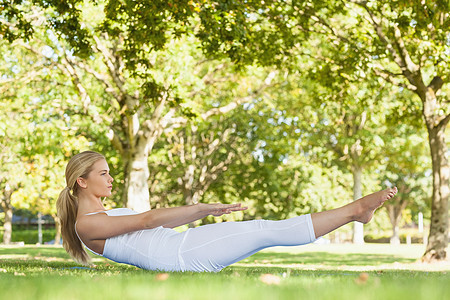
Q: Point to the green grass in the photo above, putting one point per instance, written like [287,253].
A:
[308,272]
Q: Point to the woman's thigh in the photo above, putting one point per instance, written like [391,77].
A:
[215,246]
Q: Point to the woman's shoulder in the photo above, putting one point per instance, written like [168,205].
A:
[101,227]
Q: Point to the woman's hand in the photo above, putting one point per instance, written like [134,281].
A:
[218,209]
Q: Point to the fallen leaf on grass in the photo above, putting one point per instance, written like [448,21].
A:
[362,278]
[49,259]
[19,274]
[162,276]
[270,279]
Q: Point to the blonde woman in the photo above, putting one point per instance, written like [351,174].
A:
[147,240]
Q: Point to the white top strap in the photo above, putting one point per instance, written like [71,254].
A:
[97,212]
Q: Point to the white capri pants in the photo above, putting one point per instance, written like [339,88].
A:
[209,247]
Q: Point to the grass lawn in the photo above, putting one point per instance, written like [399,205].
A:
[371,271]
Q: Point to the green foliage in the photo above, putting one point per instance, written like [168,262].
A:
[41,132]
[293,139]
[410,171]
[30,236]
[13,13]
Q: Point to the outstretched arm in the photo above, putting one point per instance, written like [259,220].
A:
[178,216]
[101,226]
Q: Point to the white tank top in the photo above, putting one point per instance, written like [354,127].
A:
[111,212]
[147,249]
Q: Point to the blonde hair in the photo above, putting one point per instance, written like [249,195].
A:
[79,165]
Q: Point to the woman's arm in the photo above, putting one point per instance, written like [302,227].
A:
[202,210]
[101,226]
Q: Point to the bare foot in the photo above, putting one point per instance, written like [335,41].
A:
[366,206]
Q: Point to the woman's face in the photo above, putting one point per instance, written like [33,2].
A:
[99,182]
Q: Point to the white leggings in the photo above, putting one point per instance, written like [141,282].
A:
[207,248]
[213,247]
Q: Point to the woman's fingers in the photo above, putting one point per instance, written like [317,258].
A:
[240,208]
[234,208]
[227,208]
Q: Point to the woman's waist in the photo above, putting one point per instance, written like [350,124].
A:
[155,241]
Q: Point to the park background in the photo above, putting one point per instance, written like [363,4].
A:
[289,107]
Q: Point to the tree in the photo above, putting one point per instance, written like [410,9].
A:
[38,133]
[410,40]
[12,125]
[194,158]
[12,166]
[407,164]
[51,144]
[140,99]
[402,42]
[343,121]
[277,178]
[198,154]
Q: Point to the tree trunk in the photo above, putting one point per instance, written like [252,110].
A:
[8,224]
[188,185]
[141,140]
[191,199]
[8,210]
[136,183]
[358,229]
[438,236]
[57,229]
[395,212]
[189,194]
[395,238]
[394,218]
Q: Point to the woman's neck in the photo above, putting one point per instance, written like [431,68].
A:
[88,204]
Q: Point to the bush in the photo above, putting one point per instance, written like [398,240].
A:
[30,236]
[416,238]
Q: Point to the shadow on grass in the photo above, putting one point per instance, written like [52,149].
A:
[33,251]
[327,259]
[41,266]
[57,258]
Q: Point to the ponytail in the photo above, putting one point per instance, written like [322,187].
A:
[67,208]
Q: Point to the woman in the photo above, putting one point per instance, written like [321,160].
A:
[148,241]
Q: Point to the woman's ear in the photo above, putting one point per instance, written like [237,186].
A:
[81,182]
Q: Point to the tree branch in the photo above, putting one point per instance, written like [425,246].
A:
[225,109]
[444,121]
[110,60]
[379,31]
[102,79]
[116,141]
[436,83]
[404,54]
[389,77]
